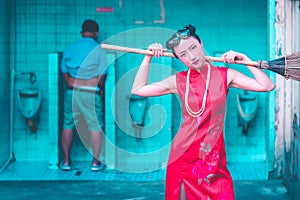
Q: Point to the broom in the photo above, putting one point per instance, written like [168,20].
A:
[287,66]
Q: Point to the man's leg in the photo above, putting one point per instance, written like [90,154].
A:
[96,141]
[91,108]
[67,133]
[66,140]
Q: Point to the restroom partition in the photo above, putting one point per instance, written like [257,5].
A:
[54,107]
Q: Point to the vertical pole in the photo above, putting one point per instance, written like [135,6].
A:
[280,90]
[12,73]
[289,93]
[53,105]
[109,143]
[272,95]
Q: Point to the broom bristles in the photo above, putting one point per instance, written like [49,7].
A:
[288,66]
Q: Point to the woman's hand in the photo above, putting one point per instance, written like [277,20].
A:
[157,49]
[260,81]
[232,56]
[140,84]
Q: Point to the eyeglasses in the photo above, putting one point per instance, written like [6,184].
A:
[181,34]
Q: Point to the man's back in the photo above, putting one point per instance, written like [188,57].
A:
[84,59]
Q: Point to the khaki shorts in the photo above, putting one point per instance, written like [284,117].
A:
[83,105]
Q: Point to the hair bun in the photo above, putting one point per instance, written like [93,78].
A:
[191,28]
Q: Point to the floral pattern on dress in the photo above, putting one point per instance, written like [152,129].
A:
[205,147]
[218,127]
[206,167]
[207,144]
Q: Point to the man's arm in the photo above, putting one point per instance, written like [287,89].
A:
[67,78]
[101,84]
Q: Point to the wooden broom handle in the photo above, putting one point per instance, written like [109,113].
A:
[168,54]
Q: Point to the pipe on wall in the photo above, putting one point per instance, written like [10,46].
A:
[12,72]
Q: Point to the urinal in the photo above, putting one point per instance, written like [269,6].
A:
[137,111]
[247,108]
[137,108]
[29,101]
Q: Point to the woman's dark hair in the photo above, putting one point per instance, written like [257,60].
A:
[192,30]
[188,31]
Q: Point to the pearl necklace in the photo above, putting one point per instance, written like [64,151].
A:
[187,88]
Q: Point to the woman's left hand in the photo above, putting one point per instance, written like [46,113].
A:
[232,56]
[157,49]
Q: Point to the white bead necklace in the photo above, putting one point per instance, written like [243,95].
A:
[187,88]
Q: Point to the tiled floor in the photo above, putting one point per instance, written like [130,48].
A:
[34,180]
[248,171]
[81,171]
[125,190]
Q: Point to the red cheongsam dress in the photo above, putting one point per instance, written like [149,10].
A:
[197,157]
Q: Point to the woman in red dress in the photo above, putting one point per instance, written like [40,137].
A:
[197,163]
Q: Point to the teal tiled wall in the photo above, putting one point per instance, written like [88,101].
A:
[47,26]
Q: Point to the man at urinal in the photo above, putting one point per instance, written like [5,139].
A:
[84,68]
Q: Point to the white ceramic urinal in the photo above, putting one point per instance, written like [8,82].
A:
[247,108]
[137,111]
[29,101]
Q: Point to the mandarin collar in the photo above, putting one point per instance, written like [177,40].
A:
[202,72]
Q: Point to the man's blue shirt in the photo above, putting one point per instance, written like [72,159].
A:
[84,59]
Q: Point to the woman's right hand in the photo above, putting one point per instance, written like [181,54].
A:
[157,49]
